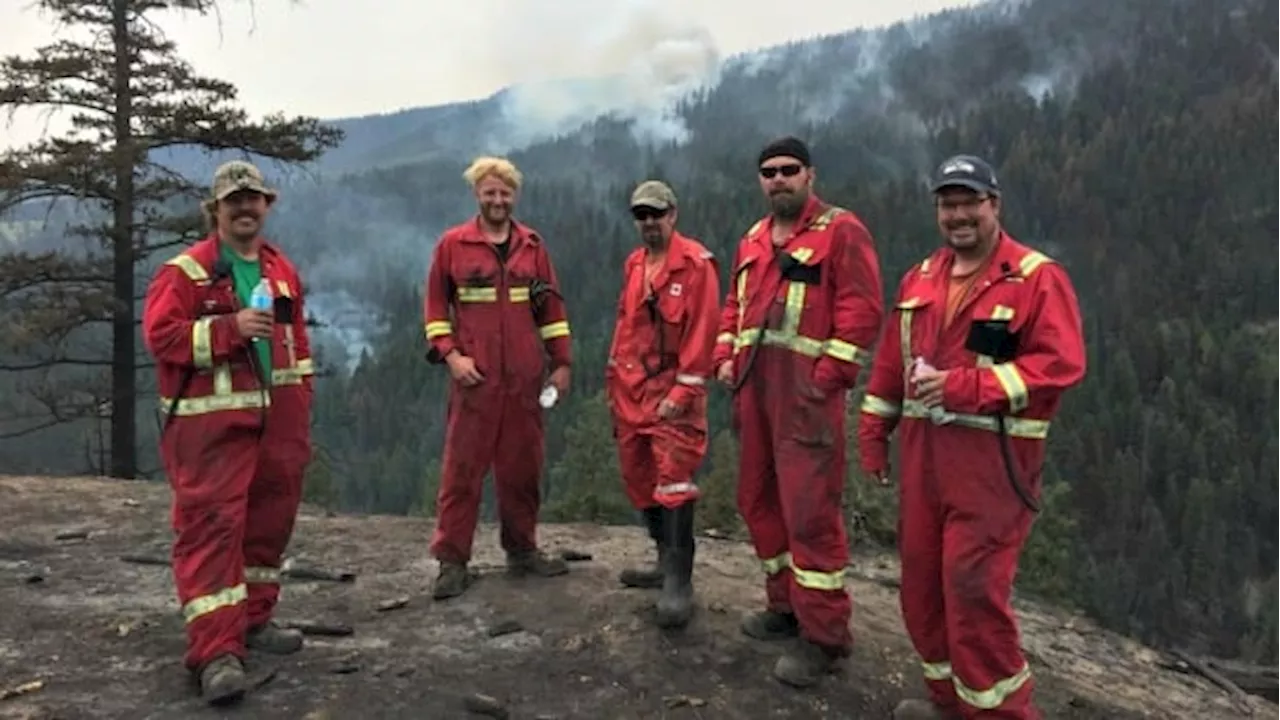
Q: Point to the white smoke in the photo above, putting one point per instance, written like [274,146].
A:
[630,60]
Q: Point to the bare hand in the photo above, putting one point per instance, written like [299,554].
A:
[252,323]
[929,386]
[667,409]
[560,379]
[463,369]
[725,373]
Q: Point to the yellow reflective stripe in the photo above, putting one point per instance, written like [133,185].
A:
[202,342]
[816,579]
[936,671]
[1031,263]
[776,564]
[873,405]
[189,267]
[262,575]
[289,345]
[725,338]
[1002,312]
[802,255]
[554,330]
[438,328]
[222,399]
[994,696]
[293,375]
[282,289]
[305,366]
[904,331]
[846,351]
[477,294]
[1024,428]
[205,604]
[518,294]
[1011,381]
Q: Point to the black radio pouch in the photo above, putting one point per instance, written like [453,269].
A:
[993,339]
[283,308]
[796,271]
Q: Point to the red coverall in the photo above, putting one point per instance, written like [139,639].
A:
[495,313]
[818,299]
[962,525]
[648,364]
[236,482]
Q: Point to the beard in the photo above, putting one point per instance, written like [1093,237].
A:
[652,237]
[965,235]
[787,204]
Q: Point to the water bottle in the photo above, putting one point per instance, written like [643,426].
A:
[261,299]
[548,397]
[937,415]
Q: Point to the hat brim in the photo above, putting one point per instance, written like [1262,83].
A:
[255,187]
[973,185]
[651,204]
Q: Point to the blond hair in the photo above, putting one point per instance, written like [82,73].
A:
[501,168]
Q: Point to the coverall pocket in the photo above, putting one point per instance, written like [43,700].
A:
[810,423]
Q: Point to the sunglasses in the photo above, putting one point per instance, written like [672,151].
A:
[768,173]
[647,213]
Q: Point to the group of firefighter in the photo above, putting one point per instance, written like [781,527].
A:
[969,364]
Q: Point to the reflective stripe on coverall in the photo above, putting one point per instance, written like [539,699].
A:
[962,525]
[236,484]
[648,363]
[820,296]
[492,311]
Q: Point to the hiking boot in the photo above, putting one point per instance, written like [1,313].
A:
[770,625]
[648,578]
[921,710]
[222,680]
[804,665]
[535,562]
[271,638]
[452,580]
[675,606]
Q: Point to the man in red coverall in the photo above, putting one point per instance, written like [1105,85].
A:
[656,378]
[800,318]
[494,314]
[987,335]
[235,385]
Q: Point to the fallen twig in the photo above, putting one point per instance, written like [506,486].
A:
[23,689]
[1215,677]
[311,627]
[145,559]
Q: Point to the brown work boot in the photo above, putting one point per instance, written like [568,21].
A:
[535,562]
[770,625]
[648,578]
[222,680]
[921,710]
[804,665]
[452,580]
[271,638]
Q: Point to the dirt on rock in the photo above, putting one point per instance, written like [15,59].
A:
[91,635]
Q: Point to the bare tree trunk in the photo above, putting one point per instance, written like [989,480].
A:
[123,373]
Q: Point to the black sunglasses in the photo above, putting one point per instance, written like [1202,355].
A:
[647,213]
[792,170]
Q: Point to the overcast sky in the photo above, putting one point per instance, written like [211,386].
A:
[338,58]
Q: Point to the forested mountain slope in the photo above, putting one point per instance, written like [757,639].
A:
[1137,141]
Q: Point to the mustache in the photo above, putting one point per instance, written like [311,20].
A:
[249,215]
[780,191]
[959,224]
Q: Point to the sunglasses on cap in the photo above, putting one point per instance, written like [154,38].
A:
[642,213]
[792,170]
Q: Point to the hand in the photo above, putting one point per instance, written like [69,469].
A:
[560,379]
[463,369]
[929,385]
[725,373]
[668,409]
[252,323]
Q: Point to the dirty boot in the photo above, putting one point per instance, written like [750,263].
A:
[804,665]
[452,580]
[770,625]
[921,710]
[535,562]
[222,680]
[649,578]
[676,603]
[271,638]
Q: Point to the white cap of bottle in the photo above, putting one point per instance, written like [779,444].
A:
[548,397]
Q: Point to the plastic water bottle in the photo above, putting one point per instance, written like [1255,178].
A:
[261,299]
[937,415]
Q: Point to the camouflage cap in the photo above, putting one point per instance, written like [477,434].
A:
[655,194]
[239,175]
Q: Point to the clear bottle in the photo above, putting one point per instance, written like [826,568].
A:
[262,298]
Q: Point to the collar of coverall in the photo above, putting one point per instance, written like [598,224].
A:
[520,233]
[677,251]
[1004,253]
[209,249]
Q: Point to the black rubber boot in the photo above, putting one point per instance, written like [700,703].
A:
[675,606]
[650,578]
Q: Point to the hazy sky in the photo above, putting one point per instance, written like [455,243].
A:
[336,58]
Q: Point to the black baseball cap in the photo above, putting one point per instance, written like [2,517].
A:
[967,171]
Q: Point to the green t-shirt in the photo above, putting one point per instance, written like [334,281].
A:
[246,274]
